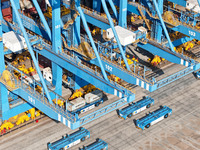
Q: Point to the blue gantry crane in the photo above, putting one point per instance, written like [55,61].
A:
[63,32]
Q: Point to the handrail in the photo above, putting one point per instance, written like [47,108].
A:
[39,96]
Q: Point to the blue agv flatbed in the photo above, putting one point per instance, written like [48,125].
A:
[70,140]
[153,117]
[136,107]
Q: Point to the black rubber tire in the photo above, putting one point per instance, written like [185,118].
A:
[165,116]
[83,139]
[147,126]
[97,104]
[148,106]
[130,115]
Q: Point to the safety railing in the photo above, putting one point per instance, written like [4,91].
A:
[103,111]
[30,88]
[174,77]
[94,73]
[185,57]
[101,49]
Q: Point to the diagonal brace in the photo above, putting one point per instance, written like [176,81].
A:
[30,50]
[42,18]
[164,27]
[115,33]
[198,2]
[92,41]
[112,5]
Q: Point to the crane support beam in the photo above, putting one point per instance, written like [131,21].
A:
[182,2]
[182,41]
[187,31]
[56,45]
[30,49]
[127,76]
[16,110]
[167,54]
[79,71]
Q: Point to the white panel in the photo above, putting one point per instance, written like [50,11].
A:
[115,92]
[147,87]
[88,108]
[125,98]
[142,84]
[157,120]
[64,121]
[72,144]
[182,61]
[139,110]
[59,117]
[191,67]
[69,124]
[137,81]
[186,63]
[120,94]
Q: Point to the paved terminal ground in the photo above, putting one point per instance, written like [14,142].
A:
[181,131]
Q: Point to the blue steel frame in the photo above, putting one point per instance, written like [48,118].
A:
[61,60]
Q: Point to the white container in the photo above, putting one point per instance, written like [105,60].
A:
[93,96]
[126,37]
[76,103]
[142,29]
[14,41]
[193,5]
[25,4]
[47,74]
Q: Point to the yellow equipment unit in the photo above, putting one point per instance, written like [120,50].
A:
[32,112]
[86,49]
[8,78]
[21,118]
[156,60]
[59,102]
[7,125]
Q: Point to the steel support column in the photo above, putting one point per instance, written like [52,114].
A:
[56,45]
[4,105]
[123,13]
[158,24]
[97,5]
